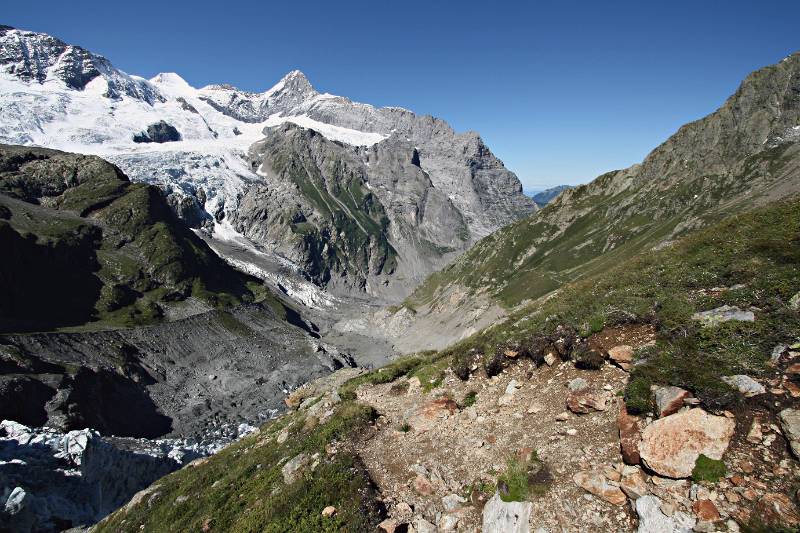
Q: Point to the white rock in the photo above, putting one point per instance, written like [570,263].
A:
[745,384]
[652,520]
[506,517]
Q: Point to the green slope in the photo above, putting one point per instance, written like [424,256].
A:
[85,246]
[741,156]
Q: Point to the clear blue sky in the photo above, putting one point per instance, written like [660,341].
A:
[560,90]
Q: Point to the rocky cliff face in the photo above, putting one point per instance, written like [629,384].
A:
[209,173]
[743,155]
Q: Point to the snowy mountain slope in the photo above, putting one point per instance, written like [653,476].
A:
[62,96]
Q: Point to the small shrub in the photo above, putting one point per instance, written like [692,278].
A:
[587,359]
[707,469]
[638,396]
[494,363]
[461,364]
[469,400]
[405,427]
[523,480]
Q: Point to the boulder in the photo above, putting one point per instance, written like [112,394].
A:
[670,446]
[293,469]
[723,314]
[550,359]
[653,520]
[630,433]
[506,517]
[669,399]
[745,384]
[595,482]
[329,511]
[584,400]
[622,355]
[790,425]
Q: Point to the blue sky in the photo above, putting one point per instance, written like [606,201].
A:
[561,91]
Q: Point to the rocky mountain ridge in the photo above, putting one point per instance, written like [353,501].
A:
[63,96]
[743,155]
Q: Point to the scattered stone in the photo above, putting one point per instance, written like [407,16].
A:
[451,502]
[506,517]
[562,417]
[669,399]
[428,415]
[794,302]
[755,435]
[422,486]
[293,469]
[511,354]
[329,511]
[790,425]
[745,384]
[597,484]
[723,314]
[449,521]
[611,473]
[583,401]
[670,446]
[389,525]
[423,526]
[705,510]
[283,436]
[653,520]
[634,484]
[629,436]
[622,355]
[777,351]
[534,409]
[577,384]
[550,359]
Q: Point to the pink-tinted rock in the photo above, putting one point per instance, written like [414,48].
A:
[629,436]
[584,401]
[670,446]
[705,510]
[622,355]
[596,483]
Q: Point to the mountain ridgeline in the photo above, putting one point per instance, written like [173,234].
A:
[366,201]
[745,154]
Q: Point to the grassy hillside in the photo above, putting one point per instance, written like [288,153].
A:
[242,487]
[751,260]
[90,247]
[741,156]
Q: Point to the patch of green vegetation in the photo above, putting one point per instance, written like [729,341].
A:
[523,480]
[234,325]
[638,396]
[469,399]
[242,488]
[707,469]
[759,249]
[404,366]
[405,427]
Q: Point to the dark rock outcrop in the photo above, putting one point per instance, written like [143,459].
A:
[160,132]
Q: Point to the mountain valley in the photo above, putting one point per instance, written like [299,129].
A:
[288,311]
